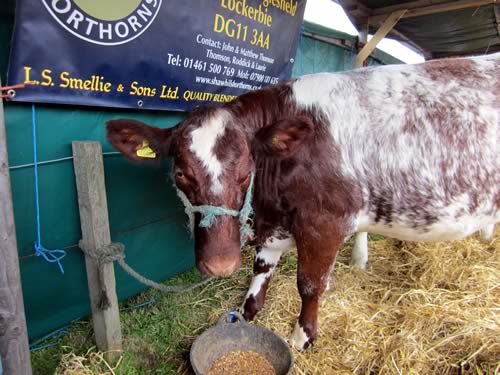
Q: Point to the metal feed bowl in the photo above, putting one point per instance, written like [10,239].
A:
[227,336]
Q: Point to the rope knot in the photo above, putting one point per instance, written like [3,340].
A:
[103,255]
[208,220]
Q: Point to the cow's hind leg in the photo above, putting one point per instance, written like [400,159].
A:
[487,232]
[266,259]
[316,258]
[359,256]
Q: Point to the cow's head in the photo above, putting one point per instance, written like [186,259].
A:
[213,165]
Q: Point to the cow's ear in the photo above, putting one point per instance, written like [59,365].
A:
[138,141]
[283,138]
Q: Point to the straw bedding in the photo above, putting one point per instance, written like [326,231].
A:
[420,308]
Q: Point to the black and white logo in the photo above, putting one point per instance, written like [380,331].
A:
[104,22]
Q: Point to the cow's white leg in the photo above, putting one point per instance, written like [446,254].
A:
[487,232]
[266,259]
[359,256]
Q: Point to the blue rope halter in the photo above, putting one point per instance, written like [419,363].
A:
[209,213]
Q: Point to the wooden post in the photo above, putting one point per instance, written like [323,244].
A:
[363,38]
[384,29]
[363,34]
[14,347]
[89,173]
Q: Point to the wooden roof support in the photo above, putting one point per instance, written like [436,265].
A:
[422,8]
[384,29]
[361,21]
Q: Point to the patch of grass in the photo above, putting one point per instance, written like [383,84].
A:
[78,338]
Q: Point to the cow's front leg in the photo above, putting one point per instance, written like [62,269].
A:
[316,258]
[266,259]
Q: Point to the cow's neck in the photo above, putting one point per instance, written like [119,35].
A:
[250,113]
[257,109]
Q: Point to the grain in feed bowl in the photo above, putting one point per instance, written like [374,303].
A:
[239,336]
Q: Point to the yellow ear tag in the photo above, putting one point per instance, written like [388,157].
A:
[275,139]
[145,151]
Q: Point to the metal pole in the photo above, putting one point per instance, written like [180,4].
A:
[14,347]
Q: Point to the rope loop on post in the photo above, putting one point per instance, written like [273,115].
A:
[115,251]
[105,254]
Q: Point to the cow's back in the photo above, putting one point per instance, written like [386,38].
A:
[420,142]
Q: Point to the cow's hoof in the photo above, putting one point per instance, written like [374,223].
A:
[299,339]
[488,232]
[249,309]
[247,315]
[244,313]
[360,264]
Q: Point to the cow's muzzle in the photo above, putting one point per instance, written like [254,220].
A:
[218,250]
[220,265]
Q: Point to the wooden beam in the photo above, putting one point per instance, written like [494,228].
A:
[346,44]
[493,49]
[89,173]
[414,10]
[345,4]
[384,29]
[496,10]
[410,43]
[14,347]
[359,10]
[400,6]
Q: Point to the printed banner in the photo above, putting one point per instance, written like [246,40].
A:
[152,54]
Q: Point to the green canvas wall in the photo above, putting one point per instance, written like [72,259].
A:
[144,211]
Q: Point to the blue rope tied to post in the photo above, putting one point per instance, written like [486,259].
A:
[51,256]
[210,213]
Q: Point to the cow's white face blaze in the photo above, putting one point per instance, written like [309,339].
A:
[203,142]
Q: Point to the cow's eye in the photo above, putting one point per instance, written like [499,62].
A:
[181,179]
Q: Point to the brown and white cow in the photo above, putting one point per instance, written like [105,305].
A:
[410,152]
